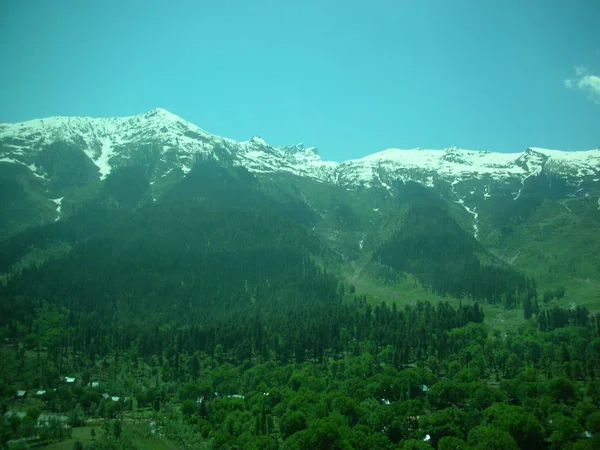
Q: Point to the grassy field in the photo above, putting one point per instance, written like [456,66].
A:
[84,435]
[408,292]
[559,245]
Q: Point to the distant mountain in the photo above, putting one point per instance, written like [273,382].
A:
[174,143]
[395,211]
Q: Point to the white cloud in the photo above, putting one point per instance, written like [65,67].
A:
[586,82]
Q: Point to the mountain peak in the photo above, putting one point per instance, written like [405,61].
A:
[258,140]
[162,113]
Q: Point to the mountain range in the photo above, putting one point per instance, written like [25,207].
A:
[393,213]
[113,142]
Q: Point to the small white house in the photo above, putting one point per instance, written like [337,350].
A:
[69,380]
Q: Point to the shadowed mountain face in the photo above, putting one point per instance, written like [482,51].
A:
[97,197]
[214,244]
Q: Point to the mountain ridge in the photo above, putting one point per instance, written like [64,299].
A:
[104,139]
[44,160]
[63,178]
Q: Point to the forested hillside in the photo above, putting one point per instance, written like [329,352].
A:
[432,246]
[218,310]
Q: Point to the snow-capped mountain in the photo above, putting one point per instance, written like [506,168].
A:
[111,142]
[174,142]
[457,164]
[512,204]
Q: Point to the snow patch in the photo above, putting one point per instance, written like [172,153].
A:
[387,186]
[486,194]
[535,173]
[473,212]
[34,171]
[103,160]
[31,167]
[58,202]
[475,223]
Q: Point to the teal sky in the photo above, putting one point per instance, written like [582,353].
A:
[350,77]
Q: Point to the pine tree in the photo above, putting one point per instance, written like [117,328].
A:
[527,307]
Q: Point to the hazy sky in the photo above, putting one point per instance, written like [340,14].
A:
[350,77]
